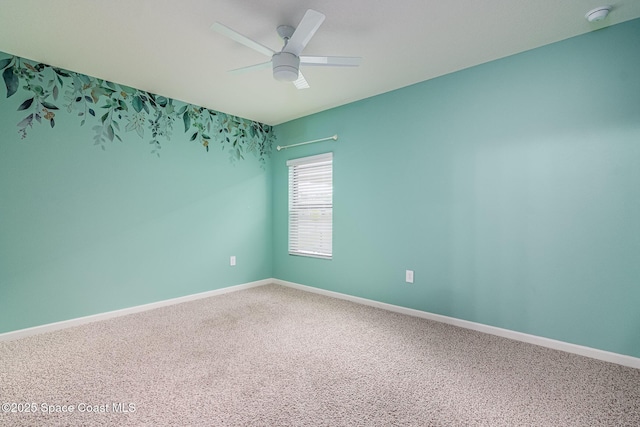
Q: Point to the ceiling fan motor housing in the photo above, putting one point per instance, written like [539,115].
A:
[285,66]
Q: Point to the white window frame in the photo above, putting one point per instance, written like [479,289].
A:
[311,206]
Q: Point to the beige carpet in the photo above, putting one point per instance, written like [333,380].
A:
[274,356]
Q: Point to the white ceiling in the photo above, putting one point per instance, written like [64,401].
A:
[168,48]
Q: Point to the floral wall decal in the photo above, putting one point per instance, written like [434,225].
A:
[112,109]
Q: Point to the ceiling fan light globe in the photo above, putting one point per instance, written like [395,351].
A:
[285,66]
[285,74]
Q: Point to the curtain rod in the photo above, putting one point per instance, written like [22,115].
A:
[334,137]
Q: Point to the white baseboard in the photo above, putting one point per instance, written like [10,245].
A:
[620,359]
[49,327]
[594,353]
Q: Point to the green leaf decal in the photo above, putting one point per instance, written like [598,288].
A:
[11,81]
[162,101]
[136,103]
[26,104]
[49,106]
[26,121]
[61,73]
[128,90]
[187,121]
[109,104]
[110,133]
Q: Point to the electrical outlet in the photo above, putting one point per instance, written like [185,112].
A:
[408,277]
[232,260]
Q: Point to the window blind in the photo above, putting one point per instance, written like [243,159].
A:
[311,206]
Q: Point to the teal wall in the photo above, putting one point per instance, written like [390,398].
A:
[85,231]
[511,188]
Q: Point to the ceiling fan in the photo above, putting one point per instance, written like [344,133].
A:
[286,63]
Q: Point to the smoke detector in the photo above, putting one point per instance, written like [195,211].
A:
[598,14]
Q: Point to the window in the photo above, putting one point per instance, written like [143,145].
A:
[311,206]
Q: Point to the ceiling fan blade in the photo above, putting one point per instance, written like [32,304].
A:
[310,23]
[235,36]
[251,68]
[301,82]
[331,61]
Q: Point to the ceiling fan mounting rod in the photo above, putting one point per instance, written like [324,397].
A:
[285,32]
